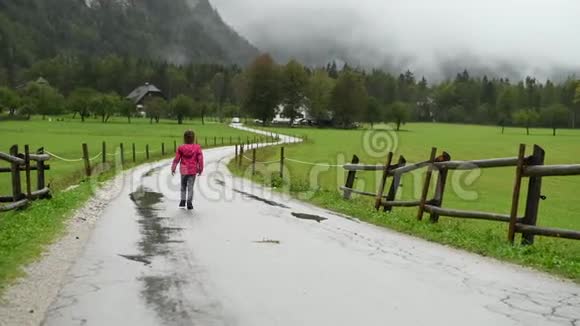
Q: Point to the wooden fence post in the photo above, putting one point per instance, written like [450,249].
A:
[222,140]
[439,192]
[214,141]
[394,185]
[16,185]
[282,162]
[426,184]
[104,151]
[40,170]
[381,189]
[254,161]
[134,153]
[27,170]
[241,155]
[86,159]
[174,146]
[534,194]
[122,153]
[205,141]
[236,157]
[147,151]
[516,194]
[162,149]
[350,179]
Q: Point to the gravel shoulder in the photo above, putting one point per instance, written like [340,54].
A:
[26,301]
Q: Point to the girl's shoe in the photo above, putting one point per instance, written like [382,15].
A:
[189,205]
[182,204]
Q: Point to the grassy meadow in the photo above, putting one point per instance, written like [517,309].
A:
[23,233]
[485,190]
[64,138]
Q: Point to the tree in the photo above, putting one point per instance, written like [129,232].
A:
[349,98]
[373,111]
[219,87]
[526,118]
[294,83]
[104,105]
[399,113]
[263,92]
[555,116]
[182,107]
[577,104]
[127,108]
[43,99]
[204,100]
[79,101]
[155,107]
[319,91]
[9,100]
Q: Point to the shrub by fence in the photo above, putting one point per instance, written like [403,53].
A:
[531,167]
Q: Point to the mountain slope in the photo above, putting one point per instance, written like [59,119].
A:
[179,31]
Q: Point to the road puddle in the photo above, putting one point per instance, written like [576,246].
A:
[260,199]
[156,235]
[310,217]
[267,241]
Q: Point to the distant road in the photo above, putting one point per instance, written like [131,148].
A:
[247,256]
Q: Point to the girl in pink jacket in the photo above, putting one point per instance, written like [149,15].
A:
[191,158]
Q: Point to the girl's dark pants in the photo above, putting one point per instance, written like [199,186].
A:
[187,182]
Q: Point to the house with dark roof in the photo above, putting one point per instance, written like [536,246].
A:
[141,93]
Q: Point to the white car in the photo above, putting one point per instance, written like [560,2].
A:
[236,120]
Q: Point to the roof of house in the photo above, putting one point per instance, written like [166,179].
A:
[140,92]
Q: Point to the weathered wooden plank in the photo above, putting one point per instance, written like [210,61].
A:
[426,183]
[363,167]
[395,184]
[548,232]
[383,182]
[11,159]
[23,168]
[13,206]
[534,194]
[516,194]
[477,164]
[409,168]
[401,203]
[39,157]
[467,214]
[359,192]
[42,193]
[552,170]
[350,178]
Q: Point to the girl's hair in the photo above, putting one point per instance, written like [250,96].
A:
[189,137]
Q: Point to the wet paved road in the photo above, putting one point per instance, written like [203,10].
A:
[246,256]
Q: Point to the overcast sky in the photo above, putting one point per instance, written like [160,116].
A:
[427,36]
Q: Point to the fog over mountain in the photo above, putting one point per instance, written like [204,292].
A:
[510,38]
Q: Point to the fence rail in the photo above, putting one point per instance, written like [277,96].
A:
[21,162]
[531,167]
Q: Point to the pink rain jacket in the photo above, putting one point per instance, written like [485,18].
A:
[191,158]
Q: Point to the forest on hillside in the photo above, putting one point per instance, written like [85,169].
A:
[177,31]
[337,96]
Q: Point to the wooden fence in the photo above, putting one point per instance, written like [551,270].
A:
[24,162]
[531,167]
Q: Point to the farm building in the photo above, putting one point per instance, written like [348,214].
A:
[140,94]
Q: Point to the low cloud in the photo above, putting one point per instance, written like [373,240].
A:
[433,38]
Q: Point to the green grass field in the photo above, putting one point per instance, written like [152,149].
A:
[65,138]
[489,190]
[24,233]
